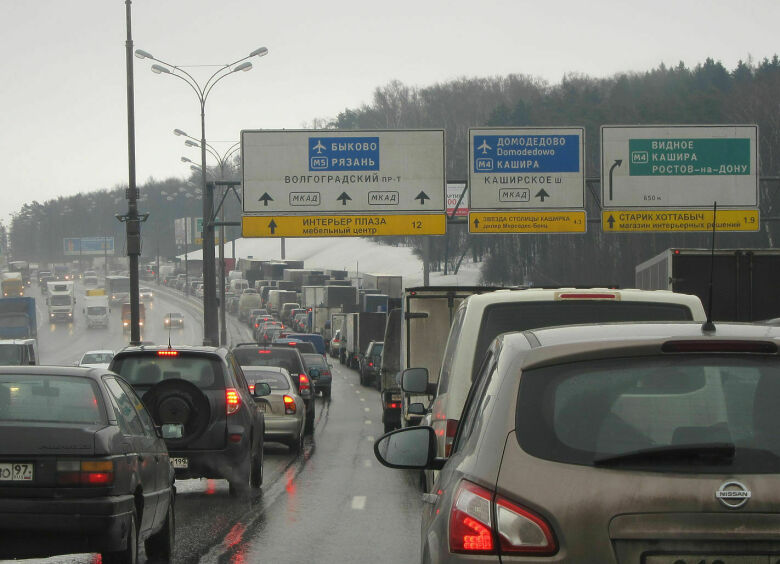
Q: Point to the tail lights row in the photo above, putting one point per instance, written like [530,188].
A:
[232,401]
[85,472]
[482,522]
[304,383]
[289,405]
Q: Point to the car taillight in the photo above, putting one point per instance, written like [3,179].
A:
[478,519]
[587,296]
[232,401]
[85,472]
[452,428]
[251,388]
[371,364]
[289,405]
[393,406]
[167,352]
[471,521]
[304,382]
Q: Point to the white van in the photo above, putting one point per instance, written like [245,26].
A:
[482,317]
[239,285]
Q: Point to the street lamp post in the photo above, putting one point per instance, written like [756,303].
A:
[210,330]
[223,160]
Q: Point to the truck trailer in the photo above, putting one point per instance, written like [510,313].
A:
[745,281]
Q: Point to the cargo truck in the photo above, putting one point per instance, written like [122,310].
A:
[746,282]
[359,330]
[96,310]
[60,301]
[390,284]
[17,318]
[22,267]
[389,381]
[12,284]
[277,298]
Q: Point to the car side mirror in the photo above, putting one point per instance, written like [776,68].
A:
[410,448]
[314,373]
[415,380]
[262,389]
[416,409]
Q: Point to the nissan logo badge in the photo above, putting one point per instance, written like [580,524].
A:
[733,494]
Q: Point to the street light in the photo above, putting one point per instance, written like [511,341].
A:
[202,91]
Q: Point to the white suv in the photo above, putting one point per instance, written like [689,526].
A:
[482,317]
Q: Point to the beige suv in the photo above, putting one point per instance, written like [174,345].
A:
[640,443]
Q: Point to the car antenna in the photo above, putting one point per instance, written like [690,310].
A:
[169,337]
[709,326]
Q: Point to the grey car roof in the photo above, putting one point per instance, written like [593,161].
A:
[84,372]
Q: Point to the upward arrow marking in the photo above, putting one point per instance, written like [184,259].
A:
[343,198]
[541,194]
[422,196]
[611,221]
[272,225]
[265,198]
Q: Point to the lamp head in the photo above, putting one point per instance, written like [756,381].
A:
[179,132]
[259,52]
[245,66]
[141,54]
[159,69]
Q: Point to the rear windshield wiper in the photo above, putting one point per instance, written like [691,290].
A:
[711,453]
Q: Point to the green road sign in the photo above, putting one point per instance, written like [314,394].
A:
[689,156]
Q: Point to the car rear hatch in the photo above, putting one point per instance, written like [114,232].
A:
[273,405]
[656,460]
[184,391]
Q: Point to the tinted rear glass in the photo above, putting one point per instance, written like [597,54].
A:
[314,360]
[585,411]
[147,369]
[97,358]
[276,380]
[59,399]
[521,316]
[376,350]
[11,355]
[287,358]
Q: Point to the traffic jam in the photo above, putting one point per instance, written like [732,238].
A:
[369,339]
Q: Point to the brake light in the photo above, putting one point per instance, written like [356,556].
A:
[85,473]
[167,352]
[517,529]
[232,401]
[292,343]
[304,382]
[289,405]
[371,364]
[263,352]
[251,388]
[452,428]
[587,296]
[394,406]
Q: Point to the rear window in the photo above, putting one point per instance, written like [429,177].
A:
[148,368]
[276,380]
[376,350]
[57,399]
[591,412]
[11,355]
[97,358]
[521,316]
[288,359]
[314,361]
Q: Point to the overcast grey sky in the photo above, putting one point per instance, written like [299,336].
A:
[64,121]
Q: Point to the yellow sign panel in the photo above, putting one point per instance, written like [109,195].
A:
[639,221]
[527,222]
[343,225]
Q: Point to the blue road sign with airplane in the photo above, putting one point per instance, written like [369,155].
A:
[343,153]
[526,153]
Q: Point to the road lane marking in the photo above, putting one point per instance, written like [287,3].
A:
[359,502]
[366,409]
[370,438]
[367,463]
[362,399]
[367,422]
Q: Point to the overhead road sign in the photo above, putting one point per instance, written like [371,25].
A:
[645,220]
[676,166]
[308,172]
[526,168]
[74,246]
[454,193]
[343,225]
[531,221]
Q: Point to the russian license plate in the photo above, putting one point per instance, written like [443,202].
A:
[710,559]
[16,471]
[396,397]
[180,462]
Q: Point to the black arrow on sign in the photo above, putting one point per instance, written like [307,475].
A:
[541,194]
[422,196]
[265,198]
[344,197]
[618,162]
[611,221]
[272,225]
[476,223]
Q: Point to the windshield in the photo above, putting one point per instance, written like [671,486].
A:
[11,355]
[60,300]
[149,368]
[276,380]
[596,411]
[57,399]
[96,310]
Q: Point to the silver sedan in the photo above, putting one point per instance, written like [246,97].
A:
[285,413]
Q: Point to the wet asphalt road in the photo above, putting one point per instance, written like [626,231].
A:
[334,503]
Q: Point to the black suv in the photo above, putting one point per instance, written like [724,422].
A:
[289,357]
[202,402]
